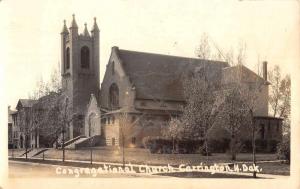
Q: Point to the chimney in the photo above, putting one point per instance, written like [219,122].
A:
[265,70]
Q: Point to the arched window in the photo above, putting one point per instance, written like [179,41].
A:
[67,58]
[92,123]
[114,96]
[85,57]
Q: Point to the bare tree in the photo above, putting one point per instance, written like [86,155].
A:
[250,92]
[174,130]
[55,82]
[64,118]
[232,116]
[203,51]
[125,127]
[275,93]
[199,112]
[128,128]
[280,96]
[45,88]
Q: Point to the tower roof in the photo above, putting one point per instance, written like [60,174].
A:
[65,29]
[74,24]
[95,26]
[86,32]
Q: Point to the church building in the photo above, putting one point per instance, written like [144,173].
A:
[139,93]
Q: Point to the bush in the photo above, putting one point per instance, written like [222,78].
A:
[283,149]
[219,146]
[262,146]
[165,145]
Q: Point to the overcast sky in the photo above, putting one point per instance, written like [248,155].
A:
[30,32]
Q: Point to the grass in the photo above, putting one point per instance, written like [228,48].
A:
[142,156]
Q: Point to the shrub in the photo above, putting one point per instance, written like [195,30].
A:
[283,148]
[165,145]
[272,146]
[219,146]
[262,146]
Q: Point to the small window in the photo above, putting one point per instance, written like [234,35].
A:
[113,120]
[163,105]
[113,141]
[133,140]
[103,120]
[133,118]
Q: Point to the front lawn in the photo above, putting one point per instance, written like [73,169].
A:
[142,156]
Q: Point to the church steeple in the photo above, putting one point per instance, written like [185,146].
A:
[65,29]
[86,32]
[95,26]
[74,24]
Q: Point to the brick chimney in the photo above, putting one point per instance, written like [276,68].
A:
[265,70]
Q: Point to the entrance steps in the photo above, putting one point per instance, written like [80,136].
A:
[71,141]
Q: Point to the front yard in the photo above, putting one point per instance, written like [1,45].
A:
[142,156]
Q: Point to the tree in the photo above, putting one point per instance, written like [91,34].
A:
[52,115]
[174,130]
[63,116]
[199,112]
[232,110]
[250,95]
[203,51]
[126,126]
[232,116]
[45,88]
[280,96]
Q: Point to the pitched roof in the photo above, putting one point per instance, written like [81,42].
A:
[157,76]
[27,103]
[231,74]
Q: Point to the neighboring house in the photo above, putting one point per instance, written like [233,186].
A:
[30,124]
[23,119]
[12,129]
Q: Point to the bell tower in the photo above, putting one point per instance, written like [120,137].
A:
[79,70]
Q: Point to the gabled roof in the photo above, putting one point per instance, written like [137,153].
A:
[26,103]
[232,74]
[157,76]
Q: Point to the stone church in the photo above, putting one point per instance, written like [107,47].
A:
[143,90]
[139,93]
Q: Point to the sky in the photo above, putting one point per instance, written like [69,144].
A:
[30,32]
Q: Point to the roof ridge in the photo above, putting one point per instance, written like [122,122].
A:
[174,56]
